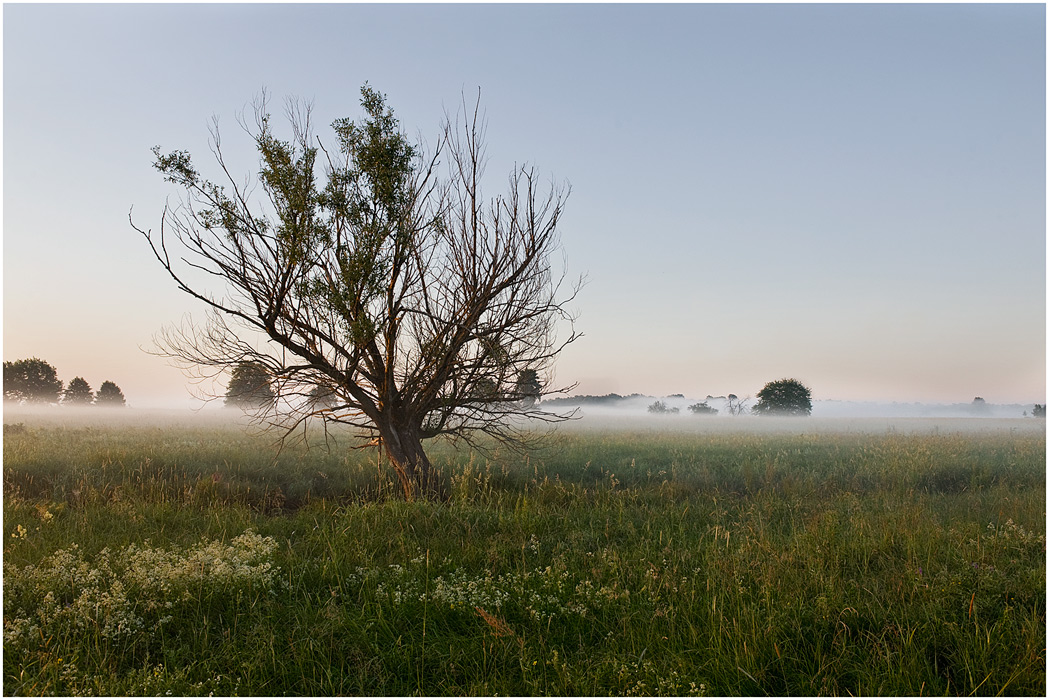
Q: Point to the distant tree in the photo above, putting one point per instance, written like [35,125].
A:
[32,381]
[784,397]
[486,390]
[249,388]
[323,398]
[529,388]
[660,408]
[588,400]
[980,406]
[78,393]
[1039,410]
[736,406]
[109,396]
[703,409]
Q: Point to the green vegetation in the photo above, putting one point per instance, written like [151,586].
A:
[784,397]
[110,395]
[250,386]
[78,393]
[33,380]
[189,560]
[422,307]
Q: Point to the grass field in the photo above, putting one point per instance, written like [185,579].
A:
[677,558]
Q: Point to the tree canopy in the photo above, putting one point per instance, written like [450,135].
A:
[249,387]
[78,393]
[702,408]
[784,397]
[32,381]
[109,395]
[529,387]
[393,280]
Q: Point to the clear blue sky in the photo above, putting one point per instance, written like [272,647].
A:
[853,195]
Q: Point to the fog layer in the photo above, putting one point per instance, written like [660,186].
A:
[632,417]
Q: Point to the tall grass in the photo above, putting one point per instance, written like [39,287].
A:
[192,561]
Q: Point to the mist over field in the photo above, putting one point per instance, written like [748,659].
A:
[855,211]
[628,416]
[636,405]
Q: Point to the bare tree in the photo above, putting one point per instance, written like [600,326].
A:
[736,406]
[395,286]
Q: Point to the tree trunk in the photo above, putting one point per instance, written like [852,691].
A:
[405,451]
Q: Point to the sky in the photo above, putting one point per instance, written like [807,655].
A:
[850,195]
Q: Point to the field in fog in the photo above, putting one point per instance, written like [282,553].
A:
[150,554]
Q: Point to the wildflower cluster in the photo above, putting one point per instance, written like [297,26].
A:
[160,680]
[542,593]
[127,594]
[1007,549]
[643,679]
[1011,536]
[994,572]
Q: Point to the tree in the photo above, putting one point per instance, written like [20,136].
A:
[702,409]
[784,397]
[1039,410]
[32,381]
[249,387]
[529,388]
[403,288]
[322,398]
[109,396]
[661,408]
[78,393]
[736,406]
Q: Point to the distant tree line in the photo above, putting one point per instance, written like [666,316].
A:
[588,400]
[35,381]
[251,389]
[783,397]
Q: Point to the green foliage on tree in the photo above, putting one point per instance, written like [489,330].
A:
[382,271]
[78,393]
[322,398]
[249,388]
[110,396]
[486,390]
[529,388]
[31,381]
[702,409]
[784,397]
[661,408]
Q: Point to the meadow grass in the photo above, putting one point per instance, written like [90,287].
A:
[192,560]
